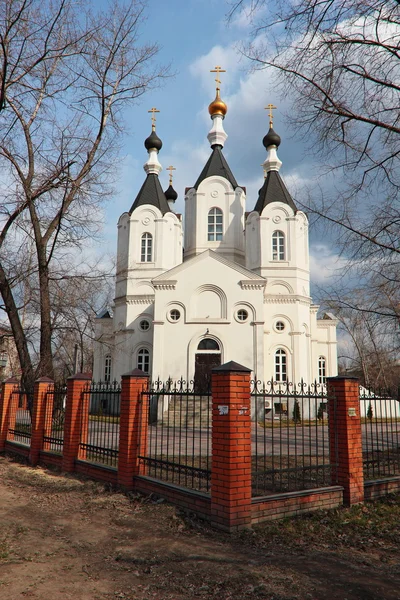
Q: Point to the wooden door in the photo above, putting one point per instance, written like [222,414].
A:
[204,363]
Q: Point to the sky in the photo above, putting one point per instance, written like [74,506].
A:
[194,36]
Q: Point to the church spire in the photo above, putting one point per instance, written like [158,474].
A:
[271,142]
[151,190]
[153,145]
[170,194]
[273,189]
[217,110]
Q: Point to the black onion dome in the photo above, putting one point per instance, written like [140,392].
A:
[153,141]
[170,194]
[271,139]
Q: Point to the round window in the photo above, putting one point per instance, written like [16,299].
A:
[144,325]
[242,315]
[279,325]
[174,314]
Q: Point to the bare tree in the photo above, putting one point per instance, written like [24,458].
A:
[76,302]
[340,64]
[338,61]
[369,344]
[67,72]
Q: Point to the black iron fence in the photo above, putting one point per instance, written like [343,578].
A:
[290,437]
[179,434]
[380,425]
[53,438]
[21,432]
[100,423]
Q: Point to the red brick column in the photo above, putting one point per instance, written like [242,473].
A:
[77,401]
[345,437]
[43,386]
[133,427]
[8,409]
[231,447]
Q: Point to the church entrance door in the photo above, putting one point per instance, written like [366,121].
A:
[207,357]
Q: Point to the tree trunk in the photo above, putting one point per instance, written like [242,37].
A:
[45,367]
[27,373]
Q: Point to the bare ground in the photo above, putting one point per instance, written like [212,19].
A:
[64,537]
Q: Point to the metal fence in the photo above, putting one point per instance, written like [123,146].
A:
[380,425]
[21,432]
[53,438]
[290,437]
[179,434]
[100,424]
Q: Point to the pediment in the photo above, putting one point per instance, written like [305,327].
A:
[246,277]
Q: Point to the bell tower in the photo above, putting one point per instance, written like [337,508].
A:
[215,205]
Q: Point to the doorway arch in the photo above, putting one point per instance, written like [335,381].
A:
[208,356]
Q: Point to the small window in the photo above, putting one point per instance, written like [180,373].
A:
[143,360]
[147,248]
[175,315]
[322,369]
[144,325]
[242,315]
[279,325]
[280,365]
[280,409]
[215,224]
[107,368]
[278,245]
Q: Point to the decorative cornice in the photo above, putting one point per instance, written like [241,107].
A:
[165,284]
[248,284]
[283,299]
[140,299]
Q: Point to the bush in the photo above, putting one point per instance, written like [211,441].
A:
[296,413]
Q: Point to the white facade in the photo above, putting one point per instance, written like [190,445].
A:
[241,291]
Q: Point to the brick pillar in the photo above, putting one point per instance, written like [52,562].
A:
[8,409]
[43,386]
[231,447]
[75,407]
[133,427]
[345,437]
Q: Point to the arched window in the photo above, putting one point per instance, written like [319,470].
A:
[208,344]
[278,245]
[143,360]
[322,369]
[215,222]
[280,365]
[107,368]
[147,248]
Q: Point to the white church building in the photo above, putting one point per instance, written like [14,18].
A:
[219,284]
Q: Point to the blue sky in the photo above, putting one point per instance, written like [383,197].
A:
[194,37]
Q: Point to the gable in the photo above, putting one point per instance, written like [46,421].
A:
[211,262]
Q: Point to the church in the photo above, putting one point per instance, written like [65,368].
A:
[218,284]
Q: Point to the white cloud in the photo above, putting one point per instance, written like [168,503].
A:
[325,264]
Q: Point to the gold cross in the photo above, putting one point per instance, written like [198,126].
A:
[153,117]
[270,107]
[217,70]
[170,169]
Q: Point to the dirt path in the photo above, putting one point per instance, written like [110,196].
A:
[68,538]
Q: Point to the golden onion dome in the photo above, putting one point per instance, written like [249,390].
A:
[218,106]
